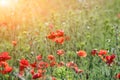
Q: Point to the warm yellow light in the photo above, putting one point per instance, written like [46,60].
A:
[4,3]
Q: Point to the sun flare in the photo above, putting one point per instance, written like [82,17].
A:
[7,3]
[4,3]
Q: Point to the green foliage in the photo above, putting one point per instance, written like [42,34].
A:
[62,73]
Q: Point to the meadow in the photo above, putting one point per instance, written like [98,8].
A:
[60,40]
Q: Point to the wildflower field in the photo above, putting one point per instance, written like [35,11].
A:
[59,39]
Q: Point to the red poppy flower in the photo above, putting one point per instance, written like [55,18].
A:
[94,52]
[4,56]
[53,78]
[77,70]
[6,68]
[41,71]
[110,59]
[42,65]
[71,64]
[118,76]
[37,75]
[14,43]
[52,35]
[61,64]
[51,57]
[59,40]
[34,65]
[39,57]
[32,71]
[102,52]
[52,63]
[60,52]
[81,53]
[59,33]
[23,64]
[3,64]
[58,36]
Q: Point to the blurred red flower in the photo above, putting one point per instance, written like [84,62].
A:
[5,67]
[58,36]
[71,64]
[59,40]
[94,52]
[118,76]
[6,70]
[52,63]
[32,71]
[41,71]
[4,56]
[34,65]
[52,35]
[37,75]
[77,70]
[60,52]
[59,33]
[110,59]
[14,43]
[60,64]
[51,57]
[102,52]
[81,53]
[53,78]
[3,64]
[23,64]
[39,57]
[43,65]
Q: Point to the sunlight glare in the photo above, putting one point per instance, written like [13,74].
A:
[8,3]
[4,3]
